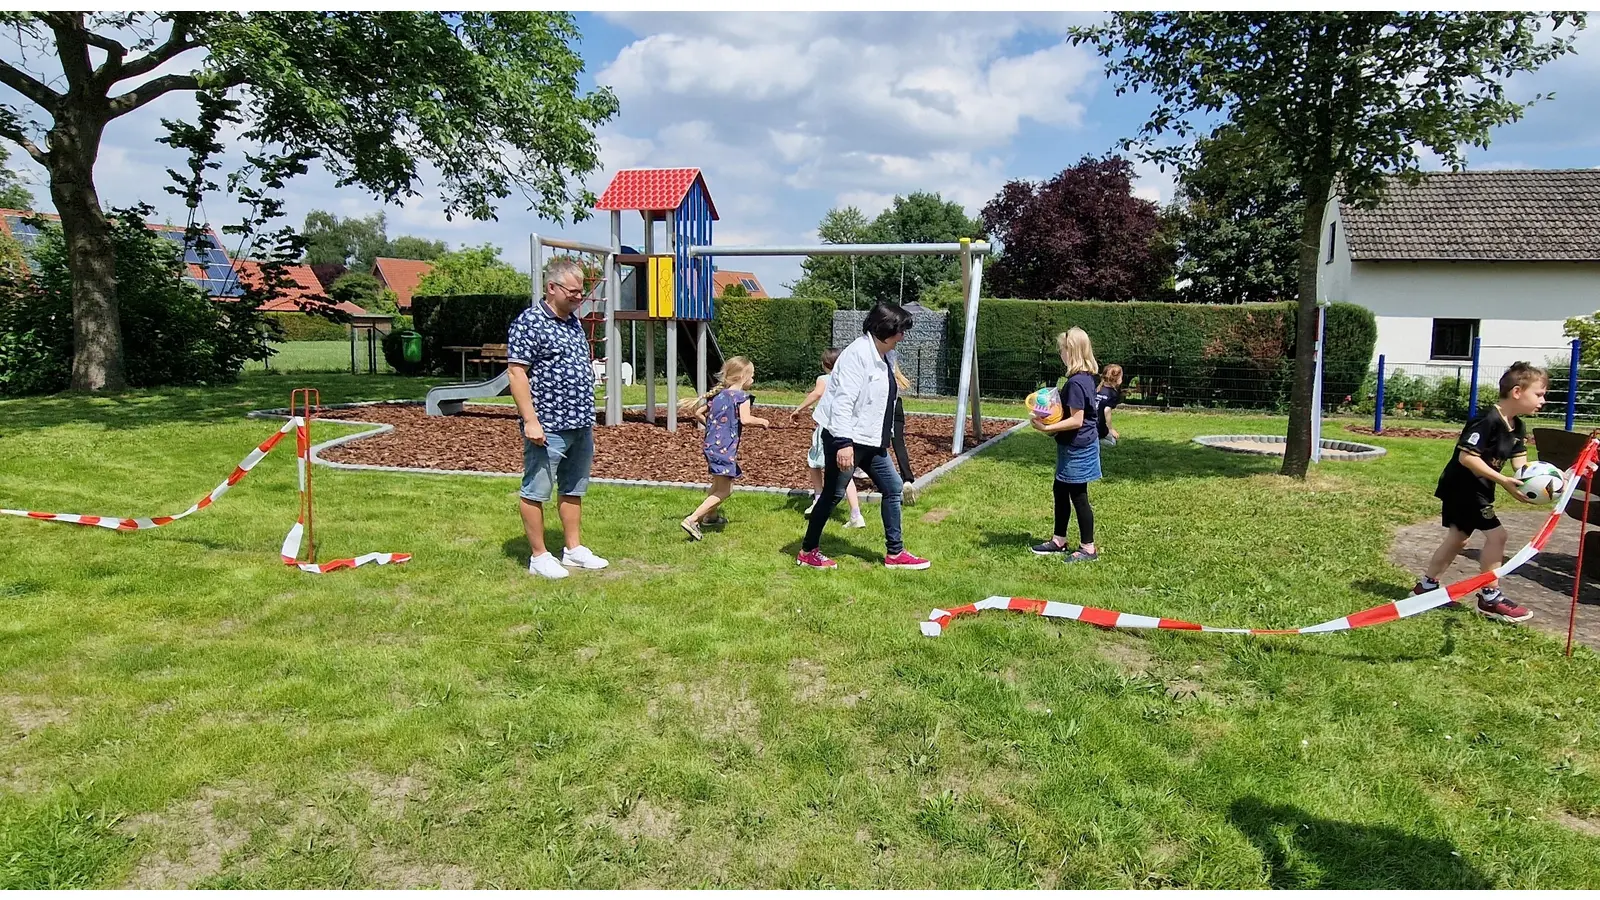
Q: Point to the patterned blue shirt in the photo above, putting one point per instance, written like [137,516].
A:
[556,353]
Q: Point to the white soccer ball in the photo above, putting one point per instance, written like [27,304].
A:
[1541,482]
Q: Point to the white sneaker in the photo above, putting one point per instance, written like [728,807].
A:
[581,557]
[814,499]
[546,565]
[856,522]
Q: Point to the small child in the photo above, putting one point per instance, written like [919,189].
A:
[724,409]
[902,459]
[815,461]
[1466,486]
[1077,448]
[1108,397]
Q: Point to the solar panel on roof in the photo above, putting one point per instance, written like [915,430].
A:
[749,284]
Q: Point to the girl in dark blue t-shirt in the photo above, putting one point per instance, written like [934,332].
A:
[1077,448]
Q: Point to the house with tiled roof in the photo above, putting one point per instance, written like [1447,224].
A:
[1506,256]
[305,290]
[722,279]
[205,263]
[401,276]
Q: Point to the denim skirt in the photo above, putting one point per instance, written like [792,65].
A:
[1078,465]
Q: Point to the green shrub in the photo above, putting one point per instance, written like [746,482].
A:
[782,337]
[294,326]
[172,332]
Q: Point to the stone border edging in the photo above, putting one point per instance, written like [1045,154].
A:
[1358,452]
[378,428]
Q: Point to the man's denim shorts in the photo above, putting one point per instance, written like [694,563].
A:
[563,462]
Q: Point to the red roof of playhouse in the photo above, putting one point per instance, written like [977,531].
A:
[652,190]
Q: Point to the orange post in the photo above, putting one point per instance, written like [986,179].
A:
[304,402]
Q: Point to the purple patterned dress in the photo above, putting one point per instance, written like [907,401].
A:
[722,432]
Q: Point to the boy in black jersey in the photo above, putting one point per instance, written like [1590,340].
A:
[1466,487]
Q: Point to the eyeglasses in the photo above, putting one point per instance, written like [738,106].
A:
[572,291]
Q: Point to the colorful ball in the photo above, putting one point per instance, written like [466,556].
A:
[1541,482]
[1046,403]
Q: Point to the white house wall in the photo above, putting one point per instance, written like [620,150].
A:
[1521,307]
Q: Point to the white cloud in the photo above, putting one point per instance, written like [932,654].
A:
[1152,184]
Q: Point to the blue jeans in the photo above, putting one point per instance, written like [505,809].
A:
[880,468]
[563,462]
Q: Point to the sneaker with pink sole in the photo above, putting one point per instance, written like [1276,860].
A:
[813,559]
[904,560]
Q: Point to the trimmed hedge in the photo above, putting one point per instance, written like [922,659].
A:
[782,337]
[1180,352]
[462,320]
[306,327]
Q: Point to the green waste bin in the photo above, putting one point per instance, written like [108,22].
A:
[411,347]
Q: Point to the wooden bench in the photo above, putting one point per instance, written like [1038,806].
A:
[490,355]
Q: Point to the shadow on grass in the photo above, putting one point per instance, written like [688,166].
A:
[1303,851]
[1139,459]
[138,408]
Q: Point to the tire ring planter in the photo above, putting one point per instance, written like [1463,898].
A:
[1345,451]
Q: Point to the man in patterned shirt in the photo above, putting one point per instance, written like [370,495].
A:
[547,355]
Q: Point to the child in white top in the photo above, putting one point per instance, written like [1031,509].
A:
[815,461]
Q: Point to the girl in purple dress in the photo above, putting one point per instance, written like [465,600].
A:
[724,409]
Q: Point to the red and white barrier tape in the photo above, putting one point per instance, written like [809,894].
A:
[291,543]
[1377,615]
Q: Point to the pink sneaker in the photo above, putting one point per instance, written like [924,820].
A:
[815,560]
[904,560]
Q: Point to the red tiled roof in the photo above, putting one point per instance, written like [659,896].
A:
[307,290]
[401,276]
[721,278]
[652,190]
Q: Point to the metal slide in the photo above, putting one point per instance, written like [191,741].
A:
[448,399]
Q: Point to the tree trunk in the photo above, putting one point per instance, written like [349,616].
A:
[97,361]
[1297,447]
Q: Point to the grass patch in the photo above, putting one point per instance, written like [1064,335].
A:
[180,709]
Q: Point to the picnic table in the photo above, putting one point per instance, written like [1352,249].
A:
[464,350]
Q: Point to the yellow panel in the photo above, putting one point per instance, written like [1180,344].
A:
[663,288]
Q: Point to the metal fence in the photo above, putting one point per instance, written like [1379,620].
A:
[1399,391]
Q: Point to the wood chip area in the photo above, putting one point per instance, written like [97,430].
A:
[485,438]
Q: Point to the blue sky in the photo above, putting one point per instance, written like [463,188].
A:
[789,114]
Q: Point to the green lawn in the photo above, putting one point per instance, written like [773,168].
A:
[181,709]
[316,356]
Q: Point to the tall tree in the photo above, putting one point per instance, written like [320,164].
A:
[411,247]
[917,218]
[353,242]
[1237,225]
[1082,235]
[488,100]
[830,276]
[1346,99]
[472,270]
[12,194]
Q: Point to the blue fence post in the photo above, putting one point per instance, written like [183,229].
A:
[1377,413]
[1472,398]
[1572,382]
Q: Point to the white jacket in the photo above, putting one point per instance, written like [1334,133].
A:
[858,395]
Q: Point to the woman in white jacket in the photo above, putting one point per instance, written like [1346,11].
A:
[856,431]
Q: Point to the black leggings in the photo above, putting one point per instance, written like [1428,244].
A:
[1067,497]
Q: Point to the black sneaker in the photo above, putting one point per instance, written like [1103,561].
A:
[1048,547]
[1494,604]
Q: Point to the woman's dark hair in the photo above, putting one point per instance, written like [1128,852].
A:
[886,320]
